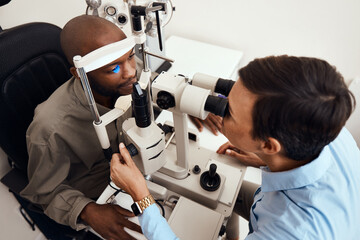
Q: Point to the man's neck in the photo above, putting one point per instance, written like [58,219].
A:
[280,163]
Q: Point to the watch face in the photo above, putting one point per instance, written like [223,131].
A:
[136,209]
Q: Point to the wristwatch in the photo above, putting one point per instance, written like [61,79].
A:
[139,206]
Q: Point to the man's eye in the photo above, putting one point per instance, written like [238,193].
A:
[131,56]
[116,69]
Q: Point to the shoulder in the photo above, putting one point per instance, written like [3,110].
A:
[51,115]
[346,153]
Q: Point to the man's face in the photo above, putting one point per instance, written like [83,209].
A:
[116,78]
[237,124]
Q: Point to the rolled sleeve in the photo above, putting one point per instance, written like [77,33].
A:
[154,226]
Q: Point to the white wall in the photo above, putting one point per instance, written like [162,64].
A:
[328,29]
[53,11]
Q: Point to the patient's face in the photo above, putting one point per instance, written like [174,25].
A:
[116,78]
[237,124]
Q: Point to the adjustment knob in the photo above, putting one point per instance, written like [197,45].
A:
[212,170]
[196,169]
[210,180]
[132,149]
[165,100]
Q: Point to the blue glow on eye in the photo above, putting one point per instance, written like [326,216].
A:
[116,69]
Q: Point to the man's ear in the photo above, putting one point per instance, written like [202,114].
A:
[74,72]
[272,146]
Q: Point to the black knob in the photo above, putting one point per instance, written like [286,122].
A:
[165,100]
[210,180]
[196,169]
[165,128]
[212,170]
[122,19]
[132,149]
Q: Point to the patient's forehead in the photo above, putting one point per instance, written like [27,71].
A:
[95,34]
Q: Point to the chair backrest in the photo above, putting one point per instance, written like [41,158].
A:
[32,66]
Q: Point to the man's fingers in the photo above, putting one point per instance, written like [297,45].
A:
[124,212]
[126,222]
[197,123]
[132,226]
[223,147]
[119,233]
[211,125]
[236,154]
[216,120]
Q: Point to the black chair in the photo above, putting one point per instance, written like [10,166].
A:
[32,66]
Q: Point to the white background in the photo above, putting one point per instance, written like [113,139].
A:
[327,29]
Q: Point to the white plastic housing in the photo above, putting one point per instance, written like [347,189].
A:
[150,157]
[204,81]
[193,101]
[122,9]
[172,84]
[100,129]
[104,55]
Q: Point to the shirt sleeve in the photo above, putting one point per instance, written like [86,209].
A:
[154,226]
[47,173]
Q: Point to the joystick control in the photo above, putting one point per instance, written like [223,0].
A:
[210,180]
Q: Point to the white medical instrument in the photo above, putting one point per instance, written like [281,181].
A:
[196,186]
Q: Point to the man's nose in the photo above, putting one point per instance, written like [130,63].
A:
[128,70]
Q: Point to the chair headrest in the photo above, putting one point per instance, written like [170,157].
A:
[4,2]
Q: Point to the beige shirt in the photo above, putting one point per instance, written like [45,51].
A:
[67,167]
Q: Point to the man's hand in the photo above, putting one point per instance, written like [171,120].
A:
[212,121]
[246,158]
[109,220]
[127,176]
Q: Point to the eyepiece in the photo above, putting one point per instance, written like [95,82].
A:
[216,105]
[224,86]
[140,106]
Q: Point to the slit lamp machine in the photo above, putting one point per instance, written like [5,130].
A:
[196,187]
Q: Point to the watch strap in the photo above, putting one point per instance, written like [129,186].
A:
[139,206]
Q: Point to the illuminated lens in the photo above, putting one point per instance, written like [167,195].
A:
[116,69]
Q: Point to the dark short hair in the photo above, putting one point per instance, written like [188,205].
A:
[302,102]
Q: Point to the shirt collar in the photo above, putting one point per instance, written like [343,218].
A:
[297,177]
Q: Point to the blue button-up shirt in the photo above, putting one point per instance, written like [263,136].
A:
[154,226]
[320,200]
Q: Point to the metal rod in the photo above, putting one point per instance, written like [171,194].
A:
[159,30]
[153,9]
[158,56]
[89,95]
[169,140]
[146,67]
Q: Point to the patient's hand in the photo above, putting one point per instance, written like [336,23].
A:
[212,121]
[109,220]
[127,176]
[246,158]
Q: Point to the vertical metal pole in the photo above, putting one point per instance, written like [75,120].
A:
[89,95]
[144,57]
